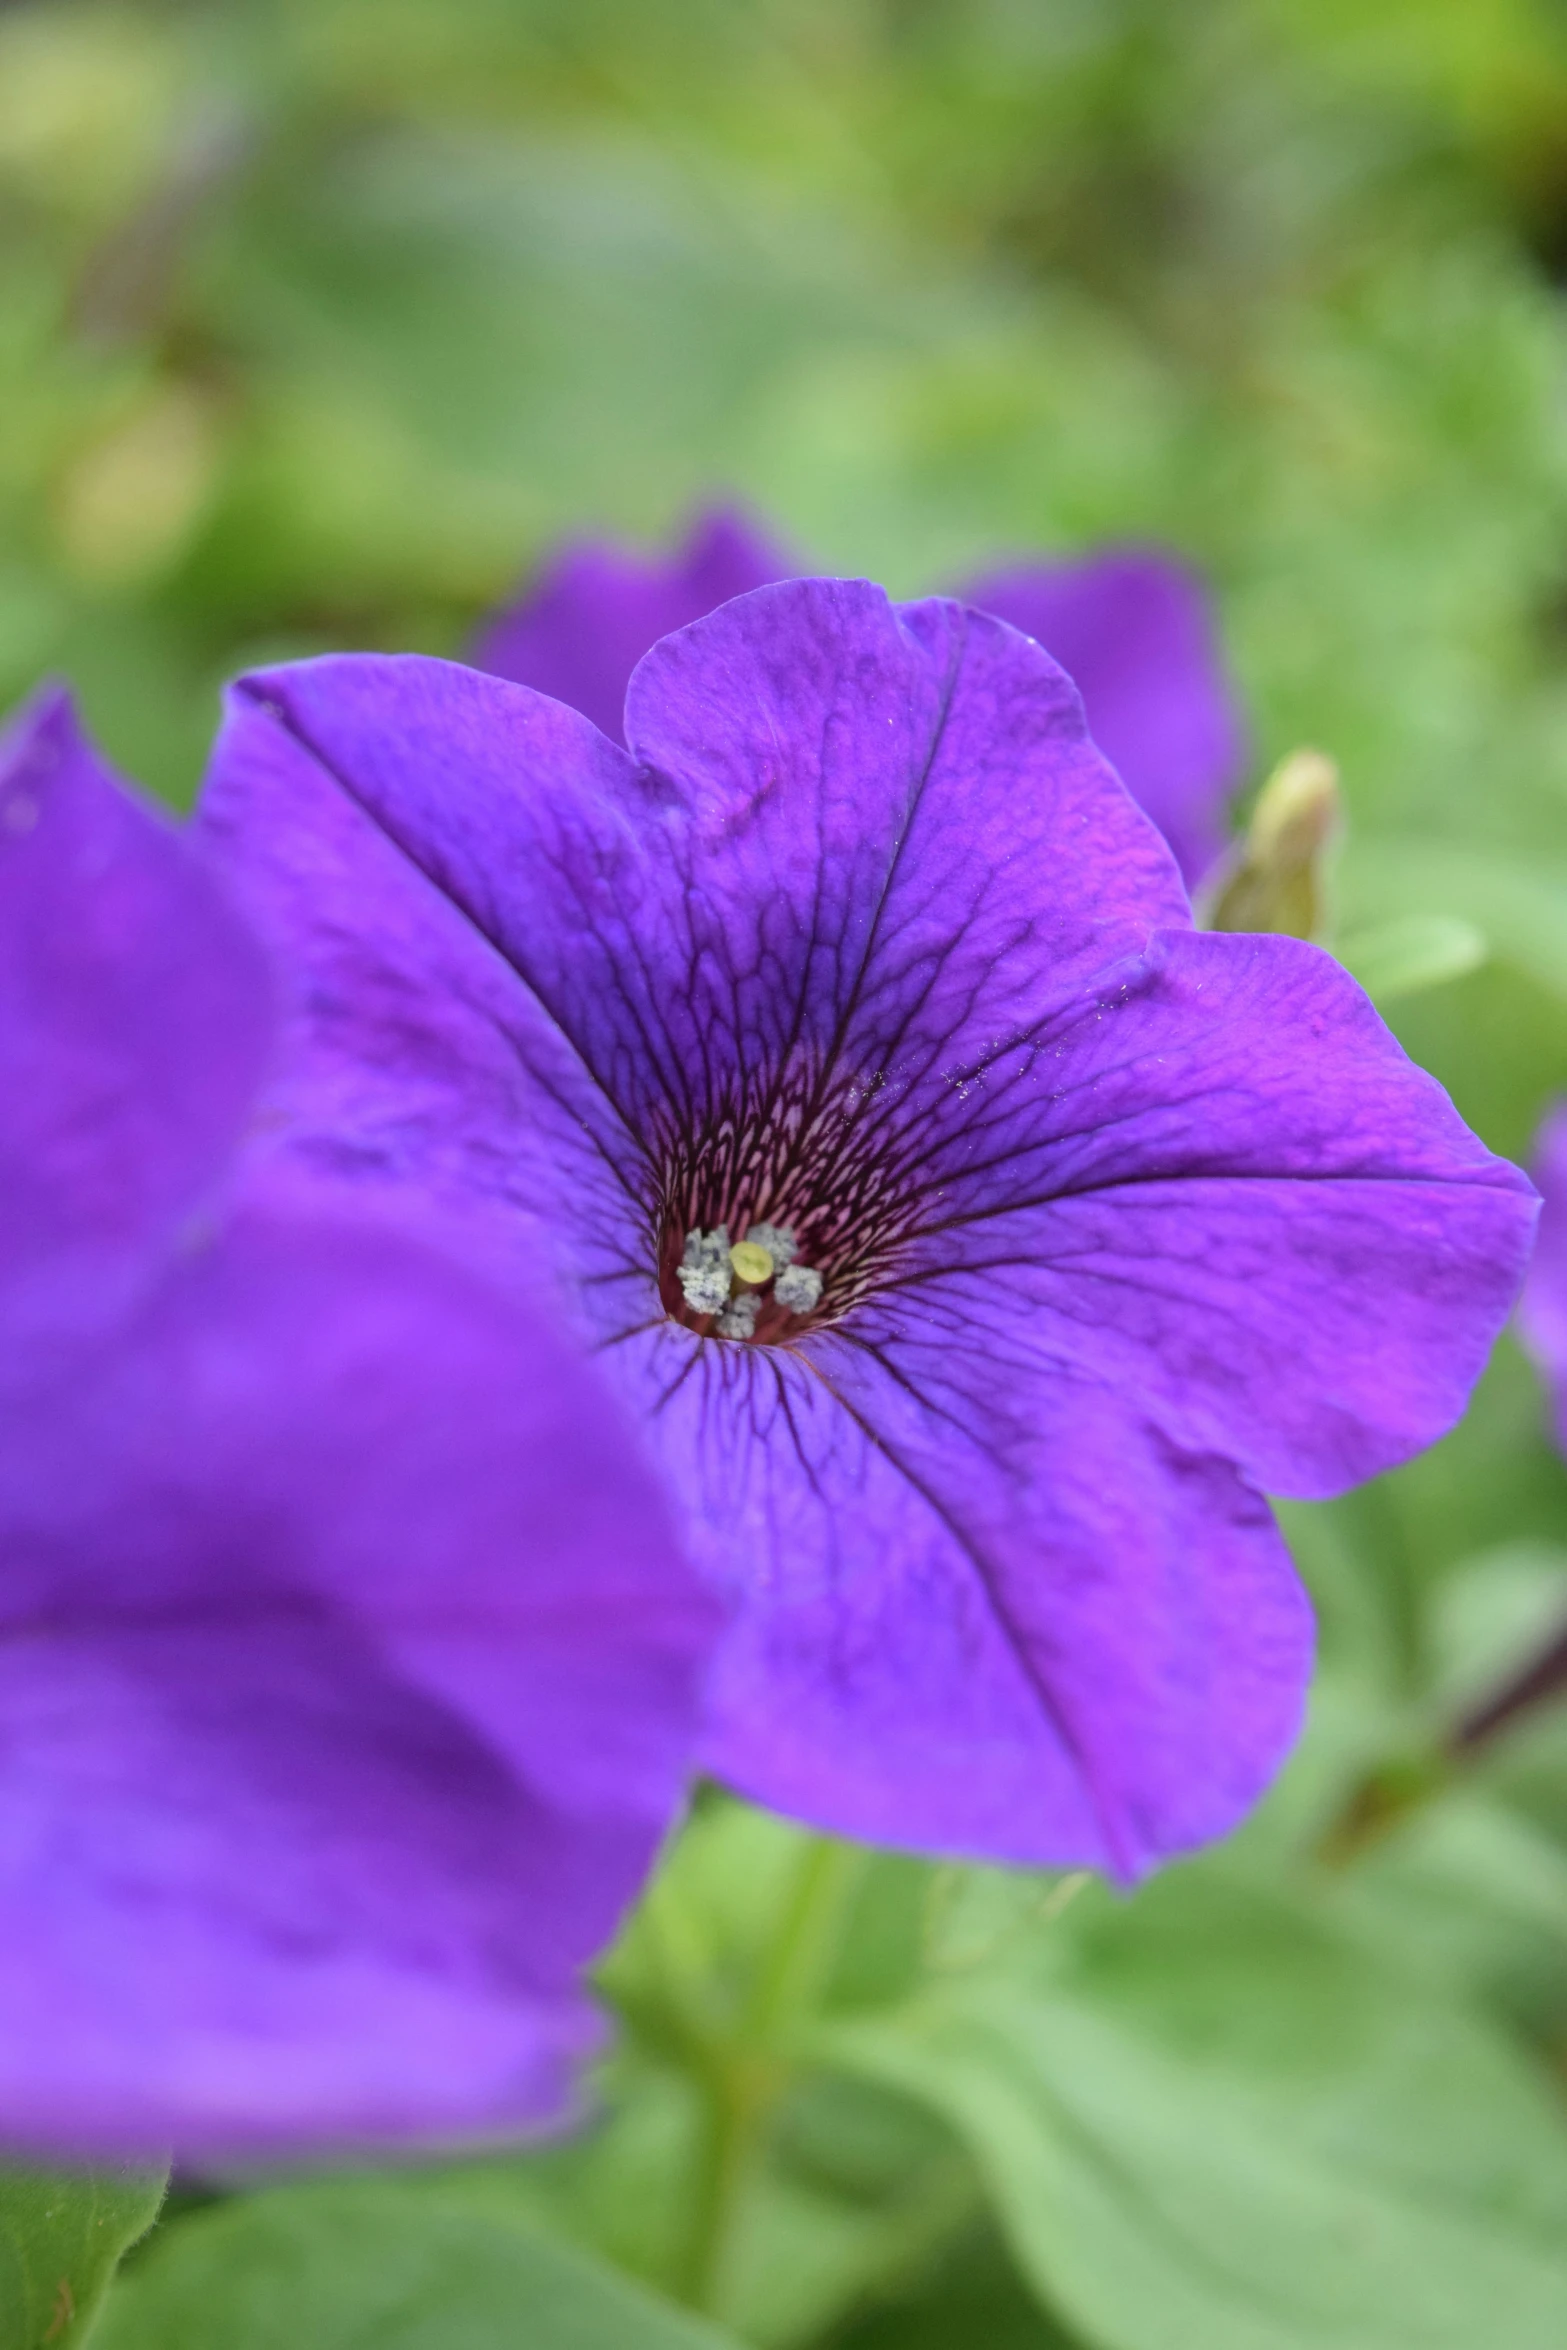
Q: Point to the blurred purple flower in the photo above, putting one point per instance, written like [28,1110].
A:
[979,1240]
[595,609]
[348,1668]
[1131,627]
[1542,1316]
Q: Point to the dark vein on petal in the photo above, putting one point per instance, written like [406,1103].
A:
[988,1580]
[636,1330]
[1057,1197]
[286,719]
[910,816]
[681,1376]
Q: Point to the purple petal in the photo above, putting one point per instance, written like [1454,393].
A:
[350,1676]
[891,829]
[135,1016]
[1542,1315]
[350,1671]
[257,1896]
[1243,1202]
[986,1611]
[1134,631]
[586,621]
[418,1055]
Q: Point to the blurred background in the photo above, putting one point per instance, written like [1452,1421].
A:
[321,320]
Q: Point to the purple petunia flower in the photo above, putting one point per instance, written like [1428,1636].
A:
[979,1241]
[1130,627]
[349,1669]
[1542,1315]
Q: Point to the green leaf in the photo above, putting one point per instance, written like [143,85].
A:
[1211,2123]
[1520,908]
[1473,1893]
[389,2262]
[724,2172]
[1405,957]
[1492,1616]
[843,2189]
[61,2233]
[972,2301]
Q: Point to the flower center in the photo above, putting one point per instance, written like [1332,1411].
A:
[755,1288]
[780,1206]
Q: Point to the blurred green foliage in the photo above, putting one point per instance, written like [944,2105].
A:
[342,2264]
[319,321]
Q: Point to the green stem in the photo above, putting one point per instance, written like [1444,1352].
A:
[731,2128]
[802,1952]
[747,2076]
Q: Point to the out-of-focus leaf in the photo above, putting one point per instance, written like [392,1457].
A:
[1378,1558]
[394,2262]
[845,2187]
[1212,2123]
[975,1915]
[1473,1895]
[973,2301]
[1520,908]
[61,2234]
[1491,1614]
[833,2188]
[1405,957]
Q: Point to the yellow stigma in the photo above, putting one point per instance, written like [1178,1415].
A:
[751,1262]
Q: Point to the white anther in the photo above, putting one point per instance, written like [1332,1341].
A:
[706,1287]
[778,1241]
[707,1248]
[739,1320]
[799,1287]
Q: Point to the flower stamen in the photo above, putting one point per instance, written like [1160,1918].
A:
[739,1319]
[749,1289]
[799,1287]
[778,1241]
[704,1272]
